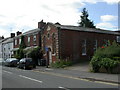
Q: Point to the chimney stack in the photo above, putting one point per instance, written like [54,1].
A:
[18,33]
[12,35]
[2,37]
[41,24]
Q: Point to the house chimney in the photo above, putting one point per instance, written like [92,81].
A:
[18,33]
[2,37]
[12,35]
[41,24]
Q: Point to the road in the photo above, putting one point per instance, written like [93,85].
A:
[18,78]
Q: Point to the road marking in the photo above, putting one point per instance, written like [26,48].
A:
[77,78]
[106,83]
[63,88]
[30,78]
[7,72]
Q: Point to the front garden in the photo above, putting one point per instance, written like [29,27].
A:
[106,59]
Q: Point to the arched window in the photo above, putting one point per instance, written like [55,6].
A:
[53,44]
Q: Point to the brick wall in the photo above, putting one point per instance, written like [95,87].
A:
[38,40]
[71,47]
[50,29]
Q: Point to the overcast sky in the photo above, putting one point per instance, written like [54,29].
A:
[24,15]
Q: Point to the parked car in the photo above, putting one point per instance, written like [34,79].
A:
[26,63]
[1,61]
[11,62]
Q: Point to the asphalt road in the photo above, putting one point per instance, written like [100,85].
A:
[18,78]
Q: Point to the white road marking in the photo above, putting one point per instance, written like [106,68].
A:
[30,78]
[7,72]
[63,88]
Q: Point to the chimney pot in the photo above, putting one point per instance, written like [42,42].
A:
[18,33]
[12,35]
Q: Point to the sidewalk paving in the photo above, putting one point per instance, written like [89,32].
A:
[82,72]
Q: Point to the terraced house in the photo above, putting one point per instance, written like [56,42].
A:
[31,39]
[65,42]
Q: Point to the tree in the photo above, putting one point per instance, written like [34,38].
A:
[20,52]
[85,22]
[35,54]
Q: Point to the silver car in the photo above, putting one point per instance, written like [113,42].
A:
[11,62]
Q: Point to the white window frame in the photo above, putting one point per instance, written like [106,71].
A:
[34,38]
[118,38]
[19,40]
[84,46]
[15,41]
[28,39]
[96,44]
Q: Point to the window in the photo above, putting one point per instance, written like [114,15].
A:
[48,28]
[34,39]
[19,40]
[15,41]
[53,44]
[118,38]
[8,46]
[95,45]
[28,40]
[48,35]
[84,47]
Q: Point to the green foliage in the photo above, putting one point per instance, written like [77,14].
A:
[108,64]
[61,64]
[85,22]
[107,57]
[22,44]
[34,53]
[20,51]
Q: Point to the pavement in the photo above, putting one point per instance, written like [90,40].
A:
[82,71]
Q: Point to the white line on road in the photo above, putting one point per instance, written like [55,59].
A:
[63,88]
[30,78]
[7,72]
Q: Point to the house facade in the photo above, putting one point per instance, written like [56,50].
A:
[32,39]
[6,47]
[64,42]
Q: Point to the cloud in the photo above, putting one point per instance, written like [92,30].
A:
[107,25]
[107,22]
[111,1]
[25,14]
[106,18]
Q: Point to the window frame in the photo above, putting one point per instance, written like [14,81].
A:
[84,47]
[118,38]
[34,39]
[28,40]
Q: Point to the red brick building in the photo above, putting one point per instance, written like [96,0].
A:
[32,38]
[63,42]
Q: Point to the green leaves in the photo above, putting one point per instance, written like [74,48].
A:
[108,57]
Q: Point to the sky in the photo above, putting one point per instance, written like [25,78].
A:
[24,15]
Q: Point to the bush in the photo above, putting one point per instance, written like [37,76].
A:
[61,64]
[34,53]
[107,57]
[95,63]
[108,64]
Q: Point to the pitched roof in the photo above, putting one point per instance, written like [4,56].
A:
[9,40]
[77,28]
[32,31]
[3,40]
[29,32]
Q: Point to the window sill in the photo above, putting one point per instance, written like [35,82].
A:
[84,54]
